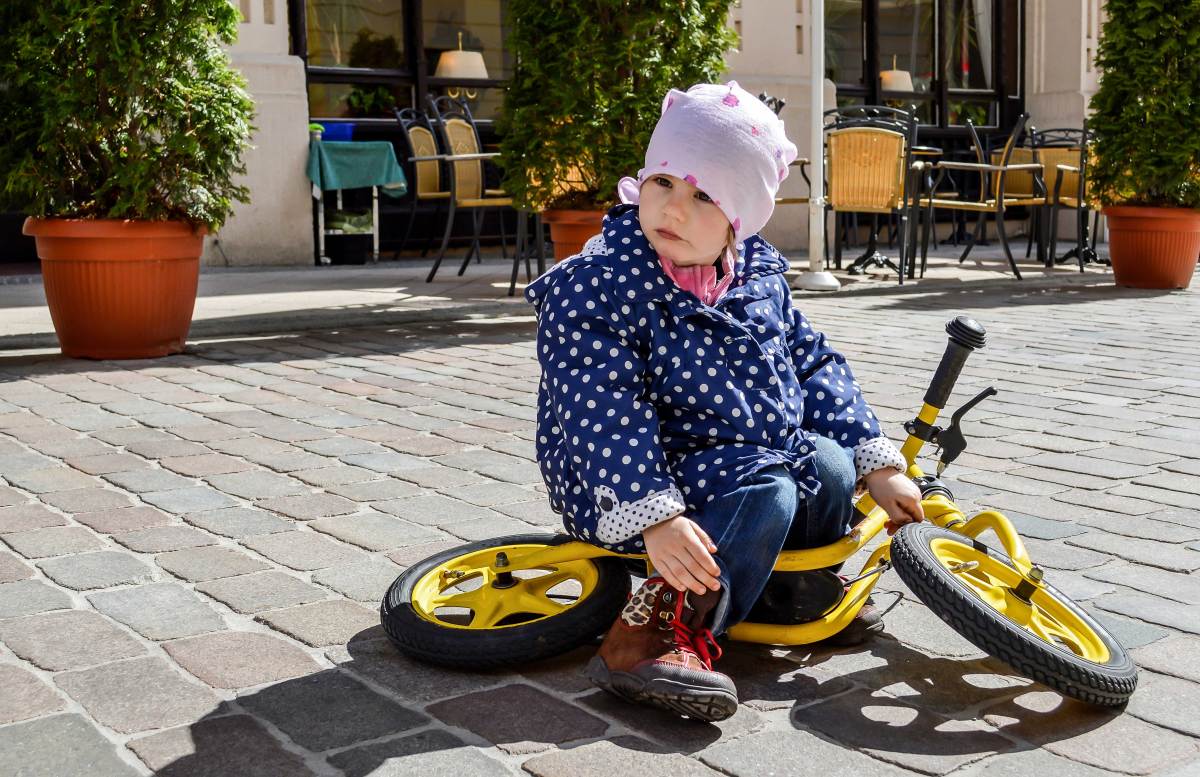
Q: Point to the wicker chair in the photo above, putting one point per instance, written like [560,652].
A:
[1063,153]
[465,163]
[994,197]
[869,172]
[426,175]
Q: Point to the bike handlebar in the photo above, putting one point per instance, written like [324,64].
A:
[966,335]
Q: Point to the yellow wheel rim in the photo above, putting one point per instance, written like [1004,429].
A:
[1044,616]
[459,593]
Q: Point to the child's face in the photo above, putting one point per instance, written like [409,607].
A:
[681,222]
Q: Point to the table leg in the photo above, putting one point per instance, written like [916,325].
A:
[375,224]
[321,257]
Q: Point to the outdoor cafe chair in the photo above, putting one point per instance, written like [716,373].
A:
[1063,153]
[994,195]
[425,175]
[464,161]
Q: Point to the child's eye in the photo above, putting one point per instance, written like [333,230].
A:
[703,197]
[662,181]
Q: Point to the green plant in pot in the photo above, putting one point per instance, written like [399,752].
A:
[1145,162]
[124,130]
[586,90]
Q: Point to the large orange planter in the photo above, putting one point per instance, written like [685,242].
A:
[570,229]
[118,289]
[1153,248]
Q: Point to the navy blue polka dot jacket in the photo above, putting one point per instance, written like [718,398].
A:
[652,403]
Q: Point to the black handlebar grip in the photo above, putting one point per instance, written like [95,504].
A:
[966,335]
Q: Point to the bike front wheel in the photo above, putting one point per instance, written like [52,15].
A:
[1046,636]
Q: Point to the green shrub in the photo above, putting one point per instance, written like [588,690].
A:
[124,109]
[1147,110]
[587,88]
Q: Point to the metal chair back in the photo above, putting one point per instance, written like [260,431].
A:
[421,142]
[999,182]
[460,136]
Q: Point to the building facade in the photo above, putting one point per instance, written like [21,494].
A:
[349,61]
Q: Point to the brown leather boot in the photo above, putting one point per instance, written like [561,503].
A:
[660,652]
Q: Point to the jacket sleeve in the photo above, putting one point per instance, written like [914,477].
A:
[594,378]
[832,402]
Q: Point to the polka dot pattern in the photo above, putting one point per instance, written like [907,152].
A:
[875,454]
[652,403]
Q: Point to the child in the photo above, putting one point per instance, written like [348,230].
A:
[687,410]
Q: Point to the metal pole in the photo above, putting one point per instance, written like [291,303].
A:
[816,279]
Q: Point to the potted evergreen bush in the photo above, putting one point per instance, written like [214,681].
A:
[124,126]
[1145,164]
[586,90]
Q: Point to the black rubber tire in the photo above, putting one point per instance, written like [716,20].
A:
[512,645]
[1109,684]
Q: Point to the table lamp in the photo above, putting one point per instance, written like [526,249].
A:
[460,64]
[894,80]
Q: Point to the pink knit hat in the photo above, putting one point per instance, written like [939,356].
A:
[725,142]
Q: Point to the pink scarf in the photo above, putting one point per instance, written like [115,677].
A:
[701,280]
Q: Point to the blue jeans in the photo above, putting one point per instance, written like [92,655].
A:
[767,514]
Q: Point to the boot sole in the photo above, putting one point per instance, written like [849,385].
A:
[706,703]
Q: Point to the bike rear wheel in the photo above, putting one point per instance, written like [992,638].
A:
[1046,637]
[453,609]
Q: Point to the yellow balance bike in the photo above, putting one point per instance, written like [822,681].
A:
[517,599]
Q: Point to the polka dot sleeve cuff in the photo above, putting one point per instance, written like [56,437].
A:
[630,518]
[877,453]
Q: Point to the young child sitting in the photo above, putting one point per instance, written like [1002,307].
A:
[687,410]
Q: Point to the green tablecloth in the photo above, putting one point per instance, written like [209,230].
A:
[353,165]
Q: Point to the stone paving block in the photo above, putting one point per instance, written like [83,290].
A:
[210,432]
[104,569]
[426,753]
[77,447]
[26,517]
[558,722]
[376,490]
[215,747]
[491,494]
[1114,501]
[1058,479]
[340,446]
[58,746]
[335,476]
[306,507]
[1178,656]
[142,481]
[256,484]
[1113,470]
[536,512]
[290,431]
[10,497]
[1168,702]
[1162,555]
[137,695]
[621,756]
[406,557]
[675,733]
[208,563]
[71,639]
[1148,527]
[404,441]
[1090,735]
[363,581]
[239,659]
[379,661]
[189,500]
[1009,482]
[1158,496]
[385,462]
[1184,617]
[238,522]
[1043,528]
[123,519]
[786,753]
[25,696]
[205,464]
[163,449]
[1130,633]
[159,611]
[898,733]
[23,463]
[106,463]
[434,510]
[374,531]
[1057,555]
[767,681]
[130,435]
[1030,762]
[13,569]
[45,481]
[261,591]
[27,597]
[302,550]
[54,541]
[330,710]
[87,500]
[322,624]
[486,528]
[164,538]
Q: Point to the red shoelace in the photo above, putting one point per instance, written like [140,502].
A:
[694,641]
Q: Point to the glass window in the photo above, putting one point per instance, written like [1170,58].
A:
[355,33]
[907,34]
[844,41]
[335,101]
[969,44]
[483,26]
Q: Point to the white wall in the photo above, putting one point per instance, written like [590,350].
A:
[276,226]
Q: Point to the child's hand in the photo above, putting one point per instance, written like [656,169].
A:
[682,553]
[897,495]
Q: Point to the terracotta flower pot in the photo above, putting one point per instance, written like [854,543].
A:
[1153,248]
[118,289]
[570,229]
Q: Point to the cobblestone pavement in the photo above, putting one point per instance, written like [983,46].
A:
[194,549]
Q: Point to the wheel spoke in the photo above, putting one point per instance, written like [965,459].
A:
[538,586]
[527,602]
[467,600]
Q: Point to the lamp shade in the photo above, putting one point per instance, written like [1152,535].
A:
[893,80]
[460,64]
